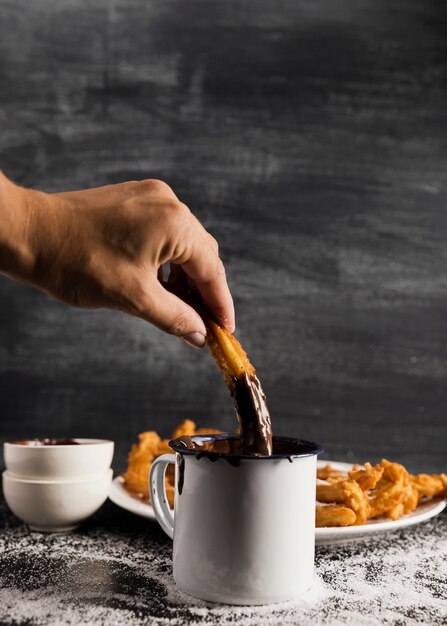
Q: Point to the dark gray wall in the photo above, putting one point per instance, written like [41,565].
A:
[310,138]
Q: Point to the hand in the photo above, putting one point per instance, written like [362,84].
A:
[105,247]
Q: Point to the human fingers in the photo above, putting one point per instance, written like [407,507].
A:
[207,271]
[165,310]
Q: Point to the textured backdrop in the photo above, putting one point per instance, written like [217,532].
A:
[310,137]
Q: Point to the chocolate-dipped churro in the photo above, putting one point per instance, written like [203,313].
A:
[249,398]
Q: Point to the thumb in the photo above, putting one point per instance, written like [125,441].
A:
[165,310]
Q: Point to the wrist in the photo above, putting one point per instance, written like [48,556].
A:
[15,252]
[24,214]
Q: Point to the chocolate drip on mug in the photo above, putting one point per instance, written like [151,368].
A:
[181,473]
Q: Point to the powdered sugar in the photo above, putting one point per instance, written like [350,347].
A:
[119,571]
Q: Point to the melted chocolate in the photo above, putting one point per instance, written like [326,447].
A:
[187,442]
[230,449]
[46,442]
[181,473]
[252,412]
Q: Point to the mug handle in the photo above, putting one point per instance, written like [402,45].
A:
[157,490]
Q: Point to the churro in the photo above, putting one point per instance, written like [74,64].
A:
[249,398]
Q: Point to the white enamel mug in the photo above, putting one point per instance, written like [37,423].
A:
[244,527]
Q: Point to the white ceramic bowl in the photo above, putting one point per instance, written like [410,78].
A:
[55,506]
[90,457]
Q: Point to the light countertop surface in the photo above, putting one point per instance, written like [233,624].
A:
[117,569]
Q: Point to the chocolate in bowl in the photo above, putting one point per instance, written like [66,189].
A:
[45,442]
[57,459]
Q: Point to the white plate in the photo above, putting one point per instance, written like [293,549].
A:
[323,536]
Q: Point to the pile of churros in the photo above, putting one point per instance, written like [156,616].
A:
[386,490]
[149,446]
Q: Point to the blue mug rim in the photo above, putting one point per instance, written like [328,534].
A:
[315,448]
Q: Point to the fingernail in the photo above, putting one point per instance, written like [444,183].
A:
[195,340]
[225,322]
